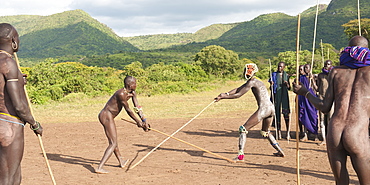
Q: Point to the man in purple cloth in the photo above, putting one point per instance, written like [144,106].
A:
[348,133]
[307,112]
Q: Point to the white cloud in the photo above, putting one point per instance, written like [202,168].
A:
[143,17]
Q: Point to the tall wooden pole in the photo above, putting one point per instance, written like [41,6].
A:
[314,36]
[322,54]
[359,17]
[38,135]
[296,103]
[273,102]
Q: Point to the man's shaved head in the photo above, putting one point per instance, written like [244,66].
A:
[128,80]
[358,41]
[6,31]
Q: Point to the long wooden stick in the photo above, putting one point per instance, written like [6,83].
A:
[314,37]
[359,17]
[273,102]
[38,135]
[322,54]
[296,103]
[169,137]
[222,157]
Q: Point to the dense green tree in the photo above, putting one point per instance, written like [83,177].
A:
[328,52]
[351,28]
[290,59]
[50,81]
[218,61]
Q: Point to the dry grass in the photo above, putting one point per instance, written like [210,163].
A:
[85,109]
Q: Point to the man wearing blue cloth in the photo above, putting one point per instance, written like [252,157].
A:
[280,85]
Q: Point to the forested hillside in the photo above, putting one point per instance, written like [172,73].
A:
[67,33]
[270,34]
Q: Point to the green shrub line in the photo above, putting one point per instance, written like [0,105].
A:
[52,80]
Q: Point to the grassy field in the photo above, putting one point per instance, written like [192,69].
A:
[84,109]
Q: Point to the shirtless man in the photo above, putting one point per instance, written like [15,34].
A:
[348,132]
[322,86]
[14,109]
[112,108]
[264,113]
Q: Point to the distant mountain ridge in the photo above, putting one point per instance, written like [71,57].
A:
[77,33]
[269,34]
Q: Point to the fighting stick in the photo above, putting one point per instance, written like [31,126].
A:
[273,102]
[38,135]
[296,101]
[171,135]
[222,157]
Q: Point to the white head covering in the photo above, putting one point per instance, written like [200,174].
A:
[250,70]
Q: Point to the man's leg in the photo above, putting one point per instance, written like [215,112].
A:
[338,162]
[11,153]
[357,143]
[278,104]
[287,124]
[111,133]
[265,133]
[242,140]
[323,120]
[243,131]
[122,163]
[303,132]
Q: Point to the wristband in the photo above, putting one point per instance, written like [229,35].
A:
[227,93]
[38,126]
[144,120]
[138,109]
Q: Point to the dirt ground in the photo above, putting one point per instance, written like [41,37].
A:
[74,150]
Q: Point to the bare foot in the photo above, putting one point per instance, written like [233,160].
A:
[124,162]
[305,138]
[101,171]
[279,154]
[288,137]
[279,135]
[322,143]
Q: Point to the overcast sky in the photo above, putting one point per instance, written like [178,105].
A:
[148,17]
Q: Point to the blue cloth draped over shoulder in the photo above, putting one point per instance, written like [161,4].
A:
[274,79]
[355,57]
[307,112]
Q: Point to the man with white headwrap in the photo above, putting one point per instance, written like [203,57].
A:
[264,113]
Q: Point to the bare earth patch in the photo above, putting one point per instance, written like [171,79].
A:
[75,149]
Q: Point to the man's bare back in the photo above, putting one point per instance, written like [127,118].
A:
[349,90]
